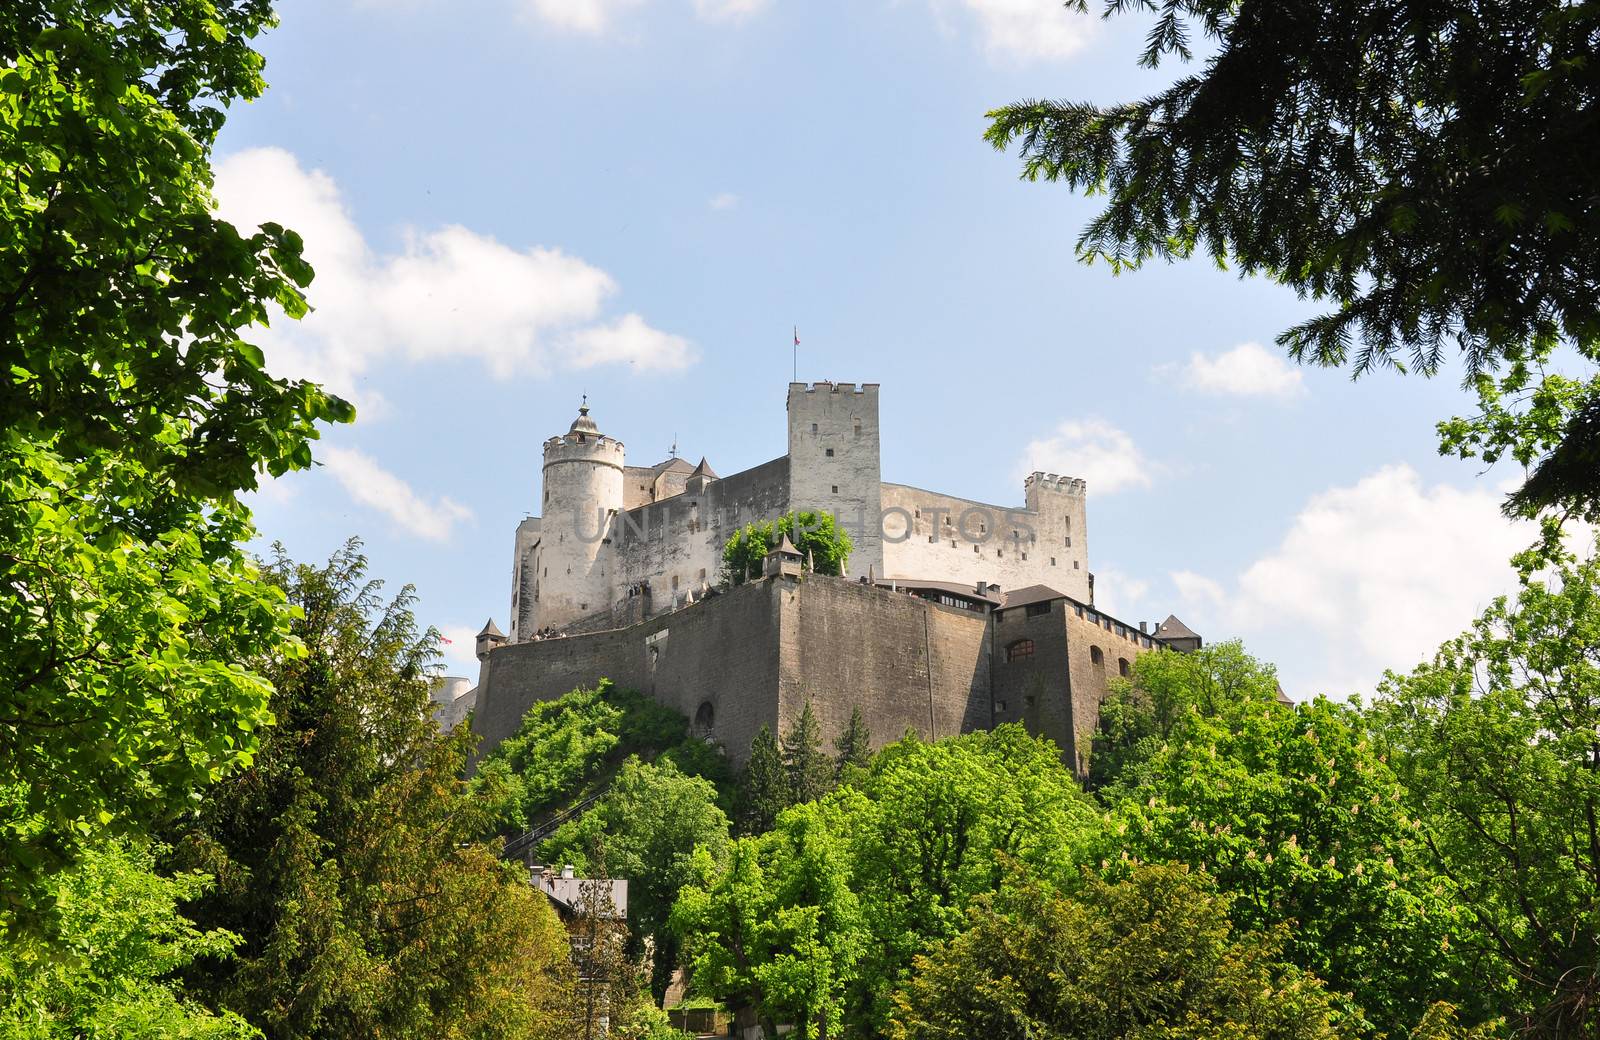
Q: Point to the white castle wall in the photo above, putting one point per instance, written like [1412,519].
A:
[590,555]
[582,496]
[834,462]
[932,536]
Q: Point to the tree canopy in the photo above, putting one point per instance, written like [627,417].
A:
[132,412]
[1411,166]
[818,534]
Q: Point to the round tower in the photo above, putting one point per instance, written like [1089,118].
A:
[582,496]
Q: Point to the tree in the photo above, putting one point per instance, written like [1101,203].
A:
[764,791]
[810,773]
[574,743]
[1154,955]
[1301,822]
[1495,742]
[819,918]
[123,937]
[853,748]
[1410,166]
[131,414]
[818,534]
[1143,713]
[345,855]
[645,829]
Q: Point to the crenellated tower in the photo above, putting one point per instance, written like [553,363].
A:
[1061,502]
[583,493]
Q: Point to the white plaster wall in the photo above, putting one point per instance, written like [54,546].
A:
[842,418]
[938,537]
[583,485]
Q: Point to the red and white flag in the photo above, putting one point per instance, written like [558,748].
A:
[797,335]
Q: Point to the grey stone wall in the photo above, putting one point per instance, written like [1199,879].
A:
[834,462]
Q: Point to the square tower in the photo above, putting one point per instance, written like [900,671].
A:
[834,463]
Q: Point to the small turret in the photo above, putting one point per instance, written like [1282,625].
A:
[783,561]
[583,479]
[489,638]
[702,475]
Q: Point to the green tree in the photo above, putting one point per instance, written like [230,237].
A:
[1152,956]
[109,976]
[816,533]
[645,829]
[810,773]
[777,924]
[1495,742]
[853,748]
[911,841]
[131,414]
[574,743]
[1142,713]
[764,790]
[1409,166]
[345,856]
[1299,819]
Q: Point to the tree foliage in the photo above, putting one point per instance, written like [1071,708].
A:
[818,918]
[345,856]
[645,829]
[810,773]
[122,937]
[565,746]
[131,414]
[1411,166]
[1151,956]
[853,748]
[764,790]
[1496,744]
[816,533]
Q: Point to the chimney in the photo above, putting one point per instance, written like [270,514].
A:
[566,871]
[981,588]
[1142,629]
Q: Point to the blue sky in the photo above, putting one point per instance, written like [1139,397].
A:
[514,202]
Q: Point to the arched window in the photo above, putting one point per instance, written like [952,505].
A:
[1122,666]
[705,718]
[1096,656]
[1021,648]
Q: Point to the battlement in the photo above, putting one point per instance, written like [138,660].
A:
[569,446]
[1053,482]
[825,386]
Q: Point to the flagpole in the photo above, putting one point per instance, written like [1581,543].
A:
[794,374]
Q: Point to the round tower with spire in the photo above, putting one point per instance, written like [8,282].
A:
[582,497]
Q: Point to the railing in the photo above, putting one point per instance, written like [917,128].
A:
[517,847]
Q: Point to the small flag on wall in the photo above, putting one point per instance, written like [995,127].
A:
[797,335]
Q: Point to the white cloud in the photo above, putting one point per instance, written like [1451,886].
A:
[728,10]
[1093,449]
[1369,577]
[723,200]
[460,652]
[1119,594]
[583,16]
[371,485]
[1248,370]
[1032,30]
[446,293]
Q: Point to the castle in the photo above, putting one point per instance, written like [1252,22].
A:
[953,614]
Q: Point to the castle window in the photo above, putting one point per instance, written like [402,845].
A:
[999,554]
[702,574]
[674,581]
[1096,656]
[1024,556]
[829,453]
[836,489]
[1038,609]
[813,429]
[1079,610]
[1021,648]
[974,548]
[1069,541]
[1069,519]
[1075,565]
[1000,706]
[933,538]
[983,527]
[1122,666]
[858,427]
[705,718]
[952,544]
[1052,561]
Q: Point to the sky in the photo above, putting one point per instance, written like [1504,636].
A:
[513,203]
